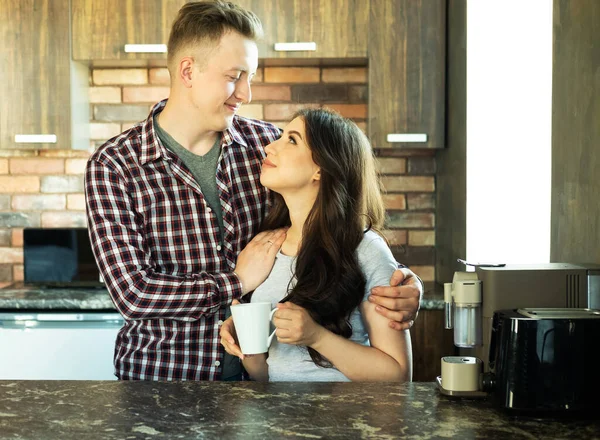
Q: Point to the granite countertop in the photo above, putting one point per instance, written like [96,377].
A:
[222,410]
[433,296]
[98,299]
[55,299]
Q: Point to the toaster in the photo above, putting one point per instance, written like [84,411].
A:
[545,360]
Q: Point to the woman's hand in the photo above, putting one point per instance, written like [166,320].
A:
[229,337]
[255,262]
[295,325]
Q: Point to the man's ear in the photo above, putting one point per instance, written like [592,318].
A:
[185,71]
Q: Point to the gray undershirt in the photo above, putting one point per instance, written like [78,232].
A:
[204,170]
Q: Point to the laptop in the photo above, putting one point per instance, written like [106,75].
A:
[58,258]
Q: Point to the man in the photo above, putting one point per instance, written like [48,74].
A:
[174,244]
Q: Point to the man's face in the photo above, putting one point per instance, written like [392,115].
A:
[221,83]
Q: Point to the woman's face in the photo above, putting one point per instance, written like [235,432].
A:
[289,167]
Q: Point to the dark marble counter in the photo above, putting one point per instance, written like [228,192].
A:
[55,299]
[433,296]
[98,299]
[224,410]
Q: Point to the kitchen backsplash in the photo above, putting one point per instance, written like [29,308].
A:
[45,187]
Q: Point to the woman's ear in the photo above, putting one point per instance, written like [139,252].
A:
[317,175]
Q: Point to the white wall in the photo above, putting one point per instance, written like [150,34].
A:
[509,87]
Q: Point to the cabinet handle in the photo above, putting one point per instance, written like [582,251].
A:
[35,138]
[295,47]
[146,48]
[407,137]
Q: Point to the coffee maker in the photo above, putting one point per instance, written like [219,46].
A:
[524,332]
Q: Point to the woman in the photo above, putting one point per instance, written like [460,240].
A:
[327,192]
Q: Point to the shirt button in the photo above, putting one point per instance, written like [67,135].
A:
[218,247]
[217,363]
[220,322]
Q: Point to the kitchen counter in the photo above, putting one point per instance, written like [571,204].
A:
[98,299]
[433,296]
[221,410]
[55,299]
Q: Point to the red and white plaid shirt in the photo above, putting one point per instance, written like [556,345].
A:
[156,242]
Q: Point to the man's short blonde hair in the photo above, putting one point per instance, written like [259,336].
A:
[205,22]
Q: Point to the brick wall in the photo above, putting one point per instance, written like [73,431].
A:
[45,188]
[37,188]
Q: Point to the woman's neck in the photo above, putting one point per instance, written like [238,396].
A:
[299,207]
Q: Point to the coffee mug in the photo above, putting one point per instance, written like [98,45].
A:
[252,323]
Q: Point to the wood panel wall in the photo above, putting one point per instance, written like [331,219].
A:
[575,225]
[451,178]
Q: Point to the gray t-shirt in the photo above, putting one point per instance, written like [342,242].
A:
[293,363]
[203,168]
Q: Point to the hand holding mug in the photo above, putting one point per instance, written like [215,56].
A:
[295,325]
[229,337]
[251,326]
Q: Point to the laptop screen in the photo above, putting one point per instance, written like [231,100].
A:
[59,255]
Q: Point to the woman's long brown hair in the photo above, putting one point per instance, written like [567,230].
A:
[329,281]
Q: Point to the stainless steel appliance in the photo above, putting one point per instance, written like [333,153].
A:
[58,345]
[552,285]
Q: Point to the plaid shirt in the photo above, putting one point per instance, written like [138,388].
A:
[156,242]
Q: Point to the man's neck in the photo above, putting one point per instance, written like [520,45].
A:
[183,126]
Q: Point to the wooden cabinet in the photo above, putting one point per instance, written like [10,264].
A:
[430,342]
[35,74]
[101,29]
[338,28]
[406,73]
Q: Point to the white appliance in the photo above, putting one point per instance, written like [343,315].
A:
[58,345]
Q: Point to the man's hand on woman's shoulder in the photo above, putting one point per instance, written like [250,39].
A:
[255,262]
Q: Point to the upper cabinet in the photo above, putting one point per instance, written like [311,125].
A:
[312,28]
[407,73]
[105,30]
[35,78]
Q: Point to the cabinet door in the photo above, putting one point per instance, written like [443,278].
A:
[337,28]
[34,77]
[430,343]
[101,29]
[406,73]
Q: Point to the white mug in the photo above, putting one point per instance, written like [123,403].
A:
[252,323]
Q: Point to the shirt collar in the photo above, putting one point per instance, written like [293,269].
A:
[234,135]
[152,148]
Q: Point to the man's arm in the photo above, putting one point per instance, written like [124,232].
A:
[136,288]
